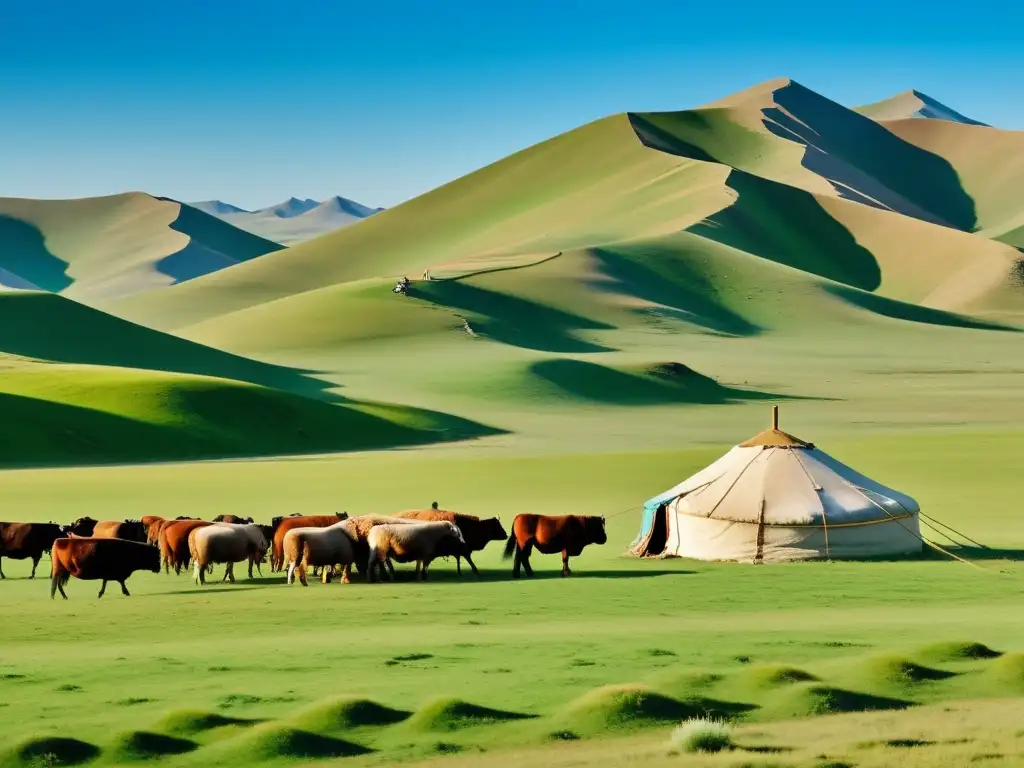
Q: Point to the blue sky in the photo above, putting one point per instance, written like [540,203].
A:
[252,102]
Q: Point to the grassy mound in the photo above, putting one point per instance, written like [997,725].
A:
[686,684]
[621,708]
[444,715]
[957,651]
[48,751]
[340,714]
[892,670]
[272,741]
[770,676]
[809,699]
[189,722]
[91,414]
[138,746]
[1006,673]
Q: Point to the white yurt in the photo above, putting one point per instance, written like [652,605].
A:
[776,498]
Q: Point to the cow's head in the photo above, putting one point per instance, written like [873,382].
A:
[595,530]
[493,529]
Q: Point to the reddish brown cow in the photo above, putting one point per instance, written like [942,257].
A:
[129,530]
[568,534]
[477,533]
[105,559]
[20,541]
[305,521]
[174,551]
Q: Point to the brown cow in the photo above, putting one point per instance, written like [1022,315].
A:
[20,541]
[174,551]
[477,533]
[568,534]
[106,559]
[303,521]
[129,530]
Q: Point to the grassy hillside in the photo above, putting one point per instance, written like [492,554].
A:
[990,165]
[592,185]
[107,247]
[78,414]
[77,385]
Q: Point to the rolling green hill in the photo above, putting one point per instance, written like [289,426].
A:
[81,386]
[108,247]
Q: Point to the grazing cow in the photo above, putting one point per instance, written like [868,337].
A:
[568,535]
[358,529]
[83,526]
[232,519]
[405,543]
[223,543]
[173,543]
[277,562]
[129,530]
[106,559]
[476,532]
[323,547]
[153,525]
[259,543]
[20,541]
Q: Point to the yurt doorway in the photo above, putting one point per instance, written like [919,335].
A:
[659,532]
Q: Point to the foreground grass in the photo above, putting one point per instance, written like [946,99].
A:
[488,664]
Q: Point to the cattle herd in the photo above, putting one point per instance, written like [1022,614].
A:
[105,550]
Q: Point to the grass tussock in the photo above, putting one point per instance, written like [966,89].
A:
[1007,673]
[701,734]
[771,676]
[621,708]
[335,715]
[189,722]
[46,751]
[140,746]
[957,651]
[274,741]
[811,699]
[893,670]
[445,715]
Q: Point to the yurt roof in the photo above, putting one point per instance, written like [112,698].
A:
[784,480]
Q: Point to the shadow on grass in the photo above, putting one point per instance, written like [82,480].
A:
[23,252]
[511,319]
[660,384]
[900,310]
[659,275]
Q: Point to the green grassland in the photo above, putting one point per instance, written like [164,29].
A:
[613,309]
[451,656]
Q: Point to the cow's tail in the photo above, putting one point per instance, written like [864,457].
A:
[510,546]
[59,576]
[276,554]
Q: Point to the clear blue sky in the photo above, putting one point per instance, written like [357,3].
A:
[252,102]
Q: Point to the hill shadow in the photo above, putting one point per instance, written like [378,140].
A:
[914,313]
[789,226]
[854,153]
[659,276]
[23,252]
[50,327]
[213,245]
[511,319]
[661,384]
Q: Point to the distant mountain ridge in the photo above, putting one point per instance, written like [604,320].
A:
[292,221]
[913,103]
